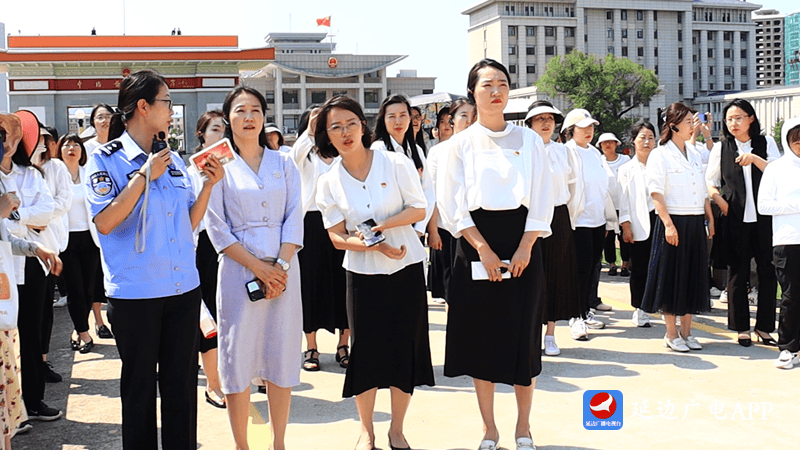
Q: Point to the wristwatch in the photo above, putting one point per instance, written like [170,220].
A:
[284,264]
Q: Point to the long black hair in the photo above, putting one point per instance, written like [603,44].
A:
[419,138]
[142,84]
[305,118]
[382,134]
[226,113]
[324,146]
[744,105]
[94,112]
[202,124]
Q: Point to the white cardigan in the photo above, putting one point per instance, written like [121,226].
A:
[635,201]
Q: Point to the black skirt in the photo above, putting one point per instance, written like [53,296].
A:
[389,318]
[560,270]
[491,334]
[677,276]
[322,278]
[441,265]
[207,265]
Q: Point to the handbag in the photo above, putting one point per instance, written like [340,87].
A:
[9,297]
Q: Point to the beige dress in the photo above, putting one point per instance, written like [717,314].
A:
[12,408]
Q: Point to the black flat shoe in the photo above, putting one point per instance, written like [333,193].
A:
[612,272]
[397,448]
[86,347]
[343,360]
[74,345]
[745,342]
[215,403]
[768,340]
[103,332]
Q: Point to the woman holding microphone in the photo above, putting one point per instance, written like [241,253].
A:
[142,202]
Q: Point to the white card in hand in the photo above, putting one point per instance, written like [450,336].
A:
[479,271]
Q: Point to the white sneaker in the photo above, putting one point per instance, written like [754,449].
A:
[439,301]
[714,292]
[786,360]
[550,347]
[603,307]
[692,343]
[578,329]
[60,303]
[640,318]
[752,297]
[593,322]
[677,344]
[724,296]
[525,443]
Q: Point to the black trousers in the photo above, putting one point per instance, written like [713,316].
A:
[80,259]
[47,312]
[787,268]
[158,333]
[589,249]
[749,244]
[610,247]
[29,323]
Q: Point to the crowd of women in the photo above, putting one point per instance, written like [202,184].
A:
[328,234]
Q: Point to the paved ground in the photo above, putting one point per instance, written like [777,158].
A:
[724,396]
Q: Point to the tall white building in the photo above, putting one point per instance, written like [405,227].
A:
[770,47]
[695,47]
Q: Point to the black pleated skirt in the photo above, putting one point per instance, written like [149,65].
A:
[322,278]
[560,270]
[677,276]
[441,265]
[207,265]
[389,331]
[491,334]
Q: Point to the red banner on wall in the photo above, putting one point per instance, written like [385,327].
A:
[97,84]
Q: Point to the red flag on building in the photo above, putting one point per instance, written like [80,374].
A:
[324,22]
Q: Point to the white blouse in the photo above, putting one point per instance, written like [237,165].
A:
[614,188]
[58,180]
[597,178]
[78,214]
[635,201]
[496,171]
[424,176]
[679,179]
[779,197]
[311,167]
[714,172]
[391,186]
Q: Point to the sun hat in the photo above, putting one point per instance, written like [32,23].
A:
[545,110]
[580,118]
[272,128]
[608,137]
[30,130]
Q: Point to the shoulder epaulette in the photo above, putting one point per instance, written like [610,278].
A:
[111,147]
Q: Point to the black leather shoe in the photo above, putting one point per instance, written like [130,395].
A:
[86,347]
[103,332]
[50,375]
[745,342]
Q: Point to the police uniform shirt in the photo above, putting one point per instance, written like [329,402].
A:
[167,265]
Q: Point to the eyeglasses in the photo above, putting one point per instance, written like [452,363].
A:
[167,100]
[338,130]
[102,117]
[736,120]
[416,118]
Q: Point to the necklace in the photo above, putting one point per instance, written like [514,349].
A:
[76,178]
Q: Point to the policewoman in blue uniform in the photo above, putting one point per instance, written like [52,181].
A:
[143,204]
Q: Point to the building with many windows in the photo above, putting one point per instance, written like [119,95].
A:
[306,71]
[792,49]
[695,47]
[769,48]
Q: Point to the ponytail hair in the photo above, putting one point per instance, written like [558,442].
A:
[142,84]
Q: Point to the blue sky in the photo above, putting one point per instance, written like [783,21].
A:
[432,33]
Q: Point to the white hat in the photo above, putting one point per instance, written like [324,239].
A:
[785,129]
[608,137]
[580,118]
[544,110]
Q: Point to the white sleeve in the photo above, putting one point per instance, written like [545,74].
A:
[542,203]
[768,202]
[451,189]
[429,191]
[625,200]
[326,202]
[656,172]
[772,149]
[714,172]
[414,196]
[63,191]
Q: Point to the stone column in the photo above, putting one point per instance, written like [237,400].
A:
[617,33]
[689,66]
[279,97]
[737,60]
[302,99]
[703,59]
[751,59]
[522,58]
[541,58]
[580,30]
[719,57]
[361,89]
[649,42]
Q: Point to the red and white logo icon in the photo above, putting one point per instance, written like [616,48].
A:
[603,405]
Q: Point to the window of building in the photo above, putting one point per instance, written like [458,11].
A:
[694,40]
[744,86]
[680,88]
[727,86]
[530,31]
[711,53]
[680,71]
[624,14]
[726,53]
[656,69]
[640,51]
[512,31]
[549,31]
[728,71]
[694,75]
[290,97]
[727,35]
[743,37]
[625,33]
[609,15]
[318,97]
[680,17]
[744,70]
[290,122]
[512,49]
[639,15]
[711,70]
[530,50]
[513,85]
[568,49]
[371,99]
[624,51]
[655,16]
[610,33]
[550,50]
[639,34]
[710,35]
[655,34]
[680,35]
[655,52]
[680,52]
[694,58]
[610,50]
[585,38]
[270,97]
[512,68]
[531,69]
[569,32]
[744,54]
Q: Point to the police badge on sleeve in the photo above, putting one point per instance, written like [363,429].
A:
[101,183]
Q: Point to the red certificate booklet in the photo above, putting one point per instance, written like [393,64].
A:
[222,150]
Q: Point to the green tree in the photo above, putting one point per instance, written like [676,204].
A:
[776,133]
[607,87]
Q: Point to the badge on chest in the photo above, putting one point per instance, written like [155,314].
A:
[174,171]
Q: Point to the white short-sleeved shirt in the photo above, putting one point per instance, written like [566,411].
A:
[595,186]
[779,197]
[614,190]
[679,179]
[391,186]
[563,173]
[714,172]
[311,167]
[496,171]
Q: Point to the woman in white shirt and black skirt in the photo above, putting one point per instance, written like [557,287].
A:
[677,279]
[497,193]
[367,196]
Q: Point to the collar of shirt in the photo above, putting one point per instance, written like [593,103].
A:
[130,148]
[743,146]
[494,134]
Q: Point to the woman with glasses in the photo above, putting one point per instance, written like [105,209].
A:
[417,118]
[367,196]
[142,202]
[734,172]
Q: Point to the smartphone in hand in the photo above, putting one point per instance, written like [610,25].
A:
[371,238]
